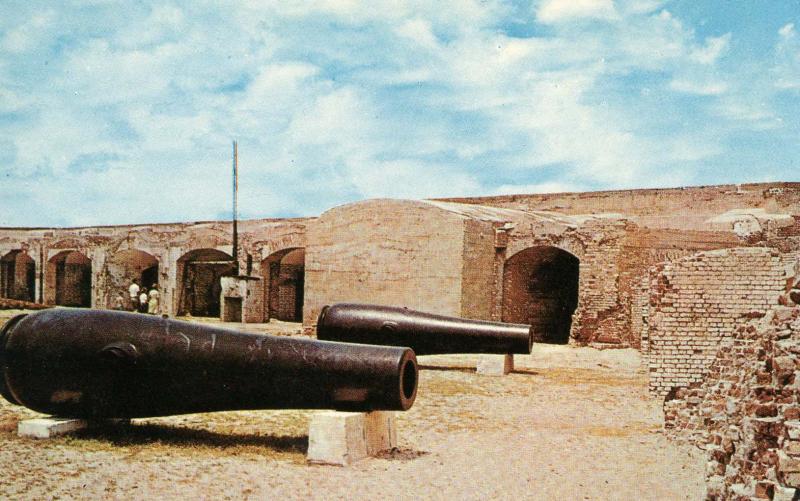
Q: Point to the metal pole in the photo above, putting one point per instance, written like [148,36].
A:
[42,264]
[235,207]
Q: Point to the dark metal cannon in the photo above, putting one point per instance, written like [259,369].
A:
[108,364]
[425,333]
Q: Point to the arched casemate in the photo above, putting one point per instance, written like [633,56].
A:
[540,287]
[123,267]
[199,272]
[18,276]
[69,279]
[284,280]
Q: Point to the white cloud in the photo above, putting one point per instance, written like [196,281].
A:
[757,115]
[333,101]
[640,6]
[699,88]
[419,31]
[103,74]
[555,11]
[408,179]
[164,22]
[28,35]
[787,59]
[712,50]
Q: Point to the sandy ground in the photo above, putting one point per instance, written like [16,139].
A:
[569,423]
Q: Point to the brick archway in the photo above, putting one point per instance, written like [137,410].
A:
[199,272]
[18,276]
[123,267]
[69,279]
[284,281]
[540,288]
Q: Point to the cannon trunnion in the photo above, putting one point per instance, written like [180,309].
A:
[109,364]
[425,333]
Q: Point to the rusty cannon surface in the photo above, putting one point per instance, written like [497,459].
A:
[425,333]
[110,364]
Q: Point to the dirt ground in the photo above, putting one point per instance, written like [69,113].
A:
[569,423]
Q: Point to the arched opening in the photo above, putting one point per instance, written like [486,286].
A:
[199,288]
[124,267]
[18,276]
[70,277]
[540,288]
[284,280]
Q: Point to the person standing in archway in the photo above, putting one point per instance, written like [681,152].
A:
[152,301]
[143,301]
[133,291]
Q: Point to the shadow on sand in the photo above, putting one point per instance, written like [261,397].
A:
[157,434]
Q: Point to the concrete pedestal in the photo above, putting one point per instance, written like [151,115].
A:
[49,427]
[341,438]
[496,365]
[56,427]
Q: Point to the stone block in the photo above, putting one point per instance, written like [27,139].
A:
[341,438]
[793,429]
[496,365]
[788,464]
[792,448]
[791,479]
[49,427]
[783,493]
[764,490]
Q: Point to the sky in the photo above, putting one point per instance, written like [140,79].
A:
[124,112]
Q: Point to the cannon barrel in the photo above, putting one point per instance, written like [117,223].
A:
[425,333]
[110,364]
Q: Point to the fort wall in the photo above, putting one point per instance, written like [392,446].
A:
[390,252]
[478,258]
[697,302]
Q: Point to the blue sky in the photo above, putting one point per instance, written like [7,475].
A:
[114,113]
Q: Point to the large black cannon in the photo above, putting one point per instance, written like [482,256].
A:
[425,333]
[108,364]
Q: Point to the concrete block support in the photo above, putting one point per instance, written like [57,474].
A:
[341,438]
[55,427]
[496,365]
[49,427]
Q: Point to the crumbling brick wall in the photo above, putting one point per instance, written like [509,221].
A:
[696,303]
[601,316]
[746,413]
[644,248]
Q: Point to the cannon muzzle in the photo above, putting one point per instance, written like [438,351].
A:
[425,333]
[109,364]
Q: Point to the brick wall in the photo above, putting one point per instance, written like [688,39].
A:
[602,316]
[696,303]
[17,275]
[479,276]
[746,413]
[290,284]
